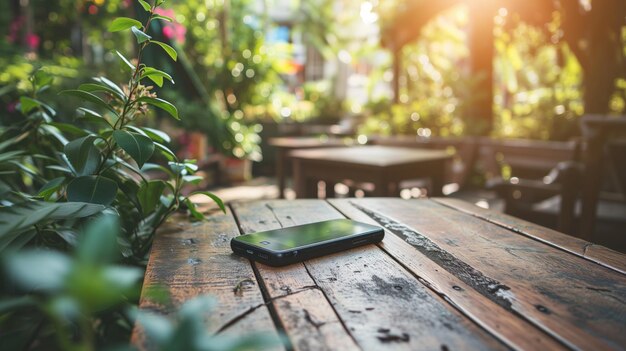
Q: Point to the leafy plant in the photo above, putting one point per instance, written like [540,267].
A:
[55,298]
[66,301]
[56,176]
[106,166]
[187,330]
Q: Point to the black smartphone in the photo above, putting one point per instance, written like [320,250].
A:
[294,244]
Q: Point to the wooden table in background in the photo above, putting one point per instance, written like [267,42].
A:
[447,276]
[284,145]
[384,166]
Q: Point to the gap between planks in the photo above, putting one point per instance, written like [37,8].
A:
[270,300]
[516,333]
[558,330]
[256,216]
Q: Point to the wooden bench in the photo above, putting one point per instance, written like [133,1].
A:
[447,276]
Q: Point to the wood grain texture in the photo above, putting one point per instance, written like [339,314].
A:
[283,284]
[198,261]
[515,332]
[380,305]
[579,247]
[577,301]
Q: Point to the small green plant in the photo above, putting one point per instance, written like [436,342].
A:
[187,331]
[105,165]
[61,287]
[80,301]
[61,301]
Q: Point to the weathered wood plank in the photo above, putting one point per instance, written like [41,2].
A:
[197,261]
[515,332]
[577,301]
[284,284]
[579,247]
[379,303]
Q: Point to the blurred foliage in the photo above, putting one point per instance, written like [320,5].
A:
[75,301]
[538,85]
[236,70]
[83,300]
[433,90]
[538,81]
[75,203]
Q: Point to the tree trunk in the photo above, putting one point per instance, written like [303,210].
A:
[595,38]
[480,42]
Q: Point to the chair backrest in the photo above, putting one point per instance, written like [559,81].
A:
[600,133]
[524,158]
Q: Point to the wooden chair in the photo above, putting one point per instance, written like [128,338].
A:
[605,138]
[542,179]
[579,192]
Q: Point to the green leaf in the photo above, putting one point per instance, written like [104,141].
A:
[178,168]
[168,49]
[11,141]
[156,76]
[55,132]
[83,155]
[191,166]
[145,5]
[99,241]
[158,328]
[157,167]
[19,218]
[110,84]
[92,87]
[154,134]
[150,71]
[214,197]
[194,211]
[193,179]
[125,60]
[39,270]
[69,235]
[158,80]
[42,78]
[123,23]
[139,35]
[164,18]
[160,103]
[60,169]
[157,135]
[92,116]
[50,187]
[165,151]
[27,104]
[139,147]
[149,194]
[9,155]
[89,97]
[92,189]
[69,128]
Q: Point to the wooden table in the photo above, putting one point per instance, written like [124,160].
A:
[284,145]
[447,276]
[385,166]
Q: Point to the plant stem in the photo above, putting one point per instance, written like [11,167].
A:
[133,84]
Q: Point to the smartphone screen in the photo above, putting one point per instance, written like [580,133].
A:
[306,235]
[289,245]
